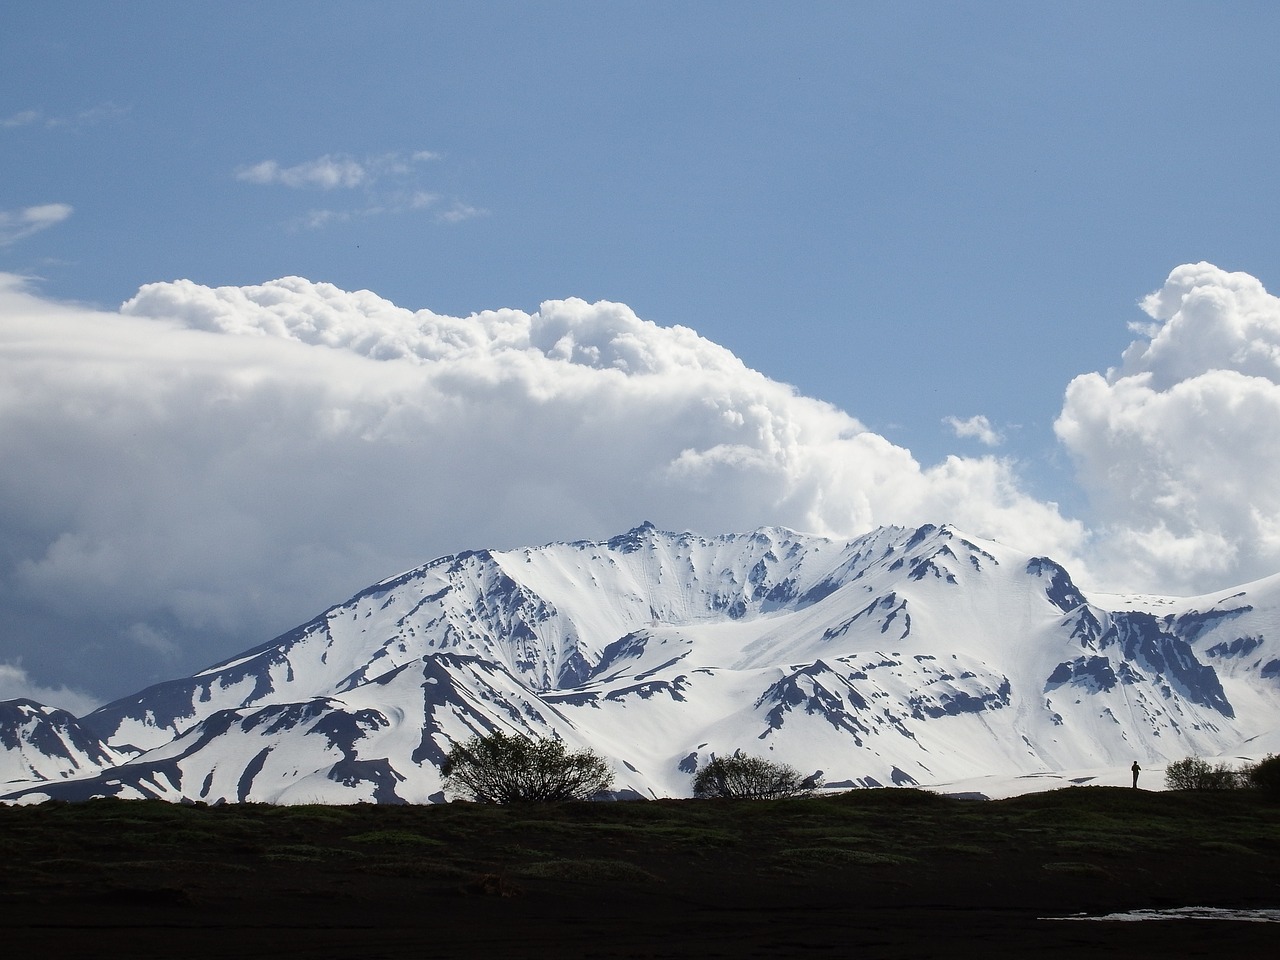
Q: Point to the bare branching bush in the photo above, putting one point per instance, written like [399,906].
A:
[500,768]
[751,778]
[1196,774]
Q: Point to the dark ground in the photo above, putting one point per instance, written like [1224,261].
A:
[885,873]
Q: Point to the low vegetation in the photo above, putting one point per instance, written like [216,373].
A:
[775,877]
[861,837]
[1265,775]
[1193,773]
[821,876]
[1196,774]
[503,768]
[750,778]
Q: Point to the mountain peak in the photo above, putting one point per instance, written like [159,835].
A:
[906,655]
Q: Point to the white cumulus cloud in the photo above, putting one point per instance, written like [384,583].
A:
[1179,446]
[977,427]
[210,465]
[207,466]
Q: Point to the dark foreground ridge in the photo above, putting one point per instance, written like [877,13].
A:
[872,873]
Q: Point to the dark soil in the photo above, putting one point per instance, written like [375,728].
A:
[877,873]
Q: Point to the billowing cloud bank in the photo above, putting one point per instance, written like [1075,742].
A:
[184,477]
[207,466]
[1179,446]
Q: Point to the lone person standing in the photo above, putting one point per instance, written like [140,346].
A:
[1136,770]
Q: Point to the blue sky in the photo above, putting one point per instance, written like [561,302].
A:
[910,211]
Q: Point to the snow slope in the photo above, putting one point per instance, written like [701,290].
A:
[44,743]
[902,657]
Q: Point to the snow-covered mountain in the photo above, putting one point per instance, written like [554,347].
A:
[44,743]
[901,657]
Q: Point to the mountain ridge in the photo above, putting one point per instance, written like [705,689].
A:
[905,656]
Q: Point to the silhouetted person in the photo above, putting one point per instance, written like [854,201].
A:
[1136,770]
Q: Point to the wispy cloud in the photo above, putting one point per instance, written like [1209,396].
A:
[333,171]
[390,183]
[327,173]
[23,119]
[16,225]
[16,684]
[459,212]
[102,113]
[392,203]
[315,219]
[979,428]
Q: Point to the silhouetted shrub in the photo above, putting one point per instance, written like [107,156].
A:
[515,769]
[751,778]
[1196,774]
[1265,775]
